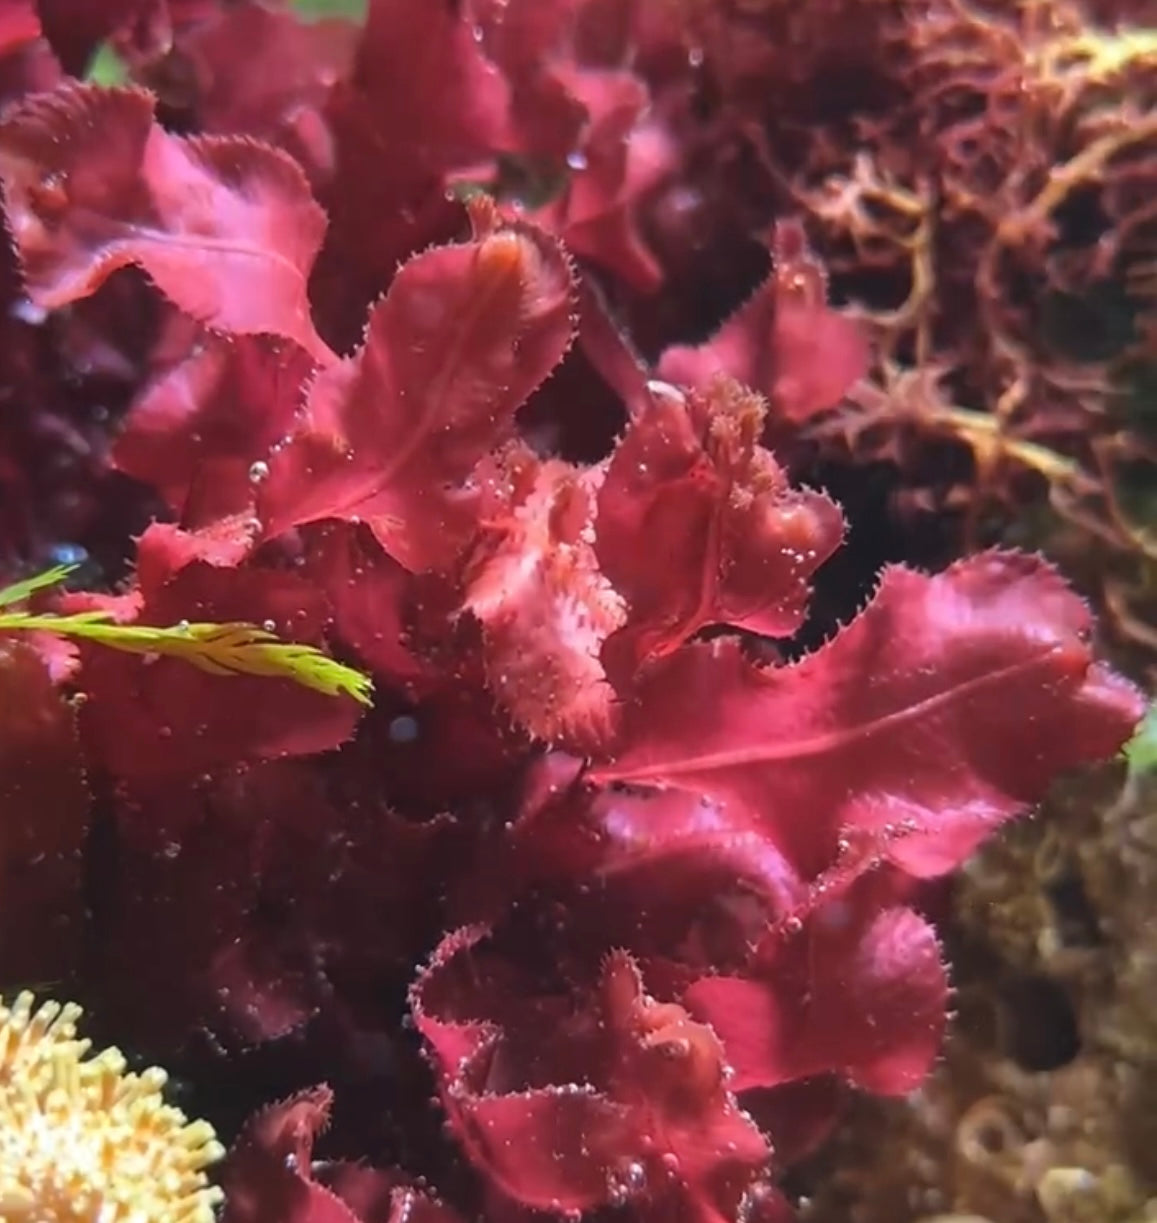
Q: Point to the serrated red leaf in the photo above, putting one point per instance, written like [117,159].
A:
[785,341]
[739,544]
[536,1145]
[391,436]
[200,433]
[225,227]
[268,1175]
[164,550]
[856,992]
[546,609]
[946,707]
[625,153]
[424,69]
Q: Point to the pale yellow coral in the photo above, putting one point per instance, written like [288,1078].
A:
[84,1141]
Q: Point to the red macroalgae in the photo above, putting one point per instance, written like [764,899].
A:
[603,882]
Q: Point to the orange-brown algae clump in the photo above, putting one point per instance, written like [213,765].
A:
[84,1141]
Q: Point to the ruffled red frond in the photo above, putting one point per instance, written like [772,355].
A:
[856,992]
[546,609]
[651,1121]
[679,856]
[225,227]
[698,525]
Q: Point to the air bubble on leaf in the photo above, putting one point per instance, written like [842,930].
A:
[757,1203]
[403,729]
[270,626]
[29,312]
[182,626]
[258,472]
[51,194]
[626,1182]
